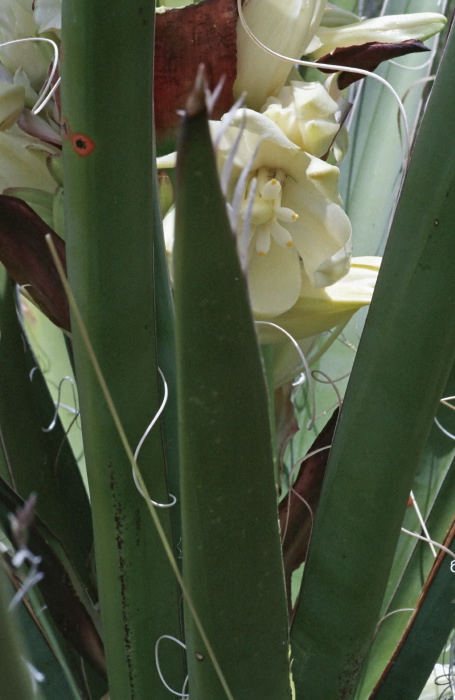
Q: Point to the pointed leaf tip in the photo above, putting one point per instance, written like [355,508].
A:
[195,103]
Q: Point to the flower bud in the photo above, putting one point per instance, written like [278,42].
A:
[286,27]
[389,29]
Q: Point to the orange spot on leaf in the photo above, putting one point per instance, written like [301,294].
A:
[83,145]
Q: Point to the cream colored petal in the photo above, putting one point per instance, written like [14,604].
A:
[17,22]
[269,148]
[169,232]
[35,125]
[274,281]
[325,178]
[306,114]
[318,310]
[48,16]
[168,161]
[168,229]
[12,103]
[259,124]
[322,234]
[24,162]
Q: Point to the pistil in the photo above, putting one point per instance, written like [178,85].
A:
[267,211]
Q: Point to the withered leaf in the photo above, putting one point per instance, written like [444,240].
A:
[26,255]
[367,57]
[296,521]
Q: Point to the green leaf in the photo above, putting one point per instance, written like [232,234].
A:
[231,550]
[110,213]
[433,489]
[38,459]
[401,368]
[165,340]
[16,681]
[431,624]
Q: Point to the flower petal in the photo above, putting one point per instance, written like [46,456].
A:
[318,310]
[17,22]
[259,124]
[24,161]
[306,114]
[168,230]
[325,178]
[274,281]
[167,161]
[322,234]
[11,104]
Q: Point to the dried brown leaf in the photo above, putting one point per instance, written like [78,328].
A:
[26,255]
[367,57]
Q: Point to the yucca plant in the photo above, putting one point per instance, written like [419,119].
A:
[145,561]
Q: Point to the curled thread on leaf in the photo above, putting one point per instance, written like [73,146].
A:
[393,612]
[156,520]
[173,500]
[48,89]
[295,523]
[446,402]
[58,403]
[429,541]
[182,694]
[297,495]
[422,523]
[305,365]
[293,491]
[328,380]
[443,430]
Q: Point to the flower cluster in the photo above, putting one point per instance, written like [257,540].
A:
[313,28]
[275,157]
[293,236]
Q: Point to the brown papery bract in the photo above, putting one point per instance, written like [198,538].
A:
[185,38]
